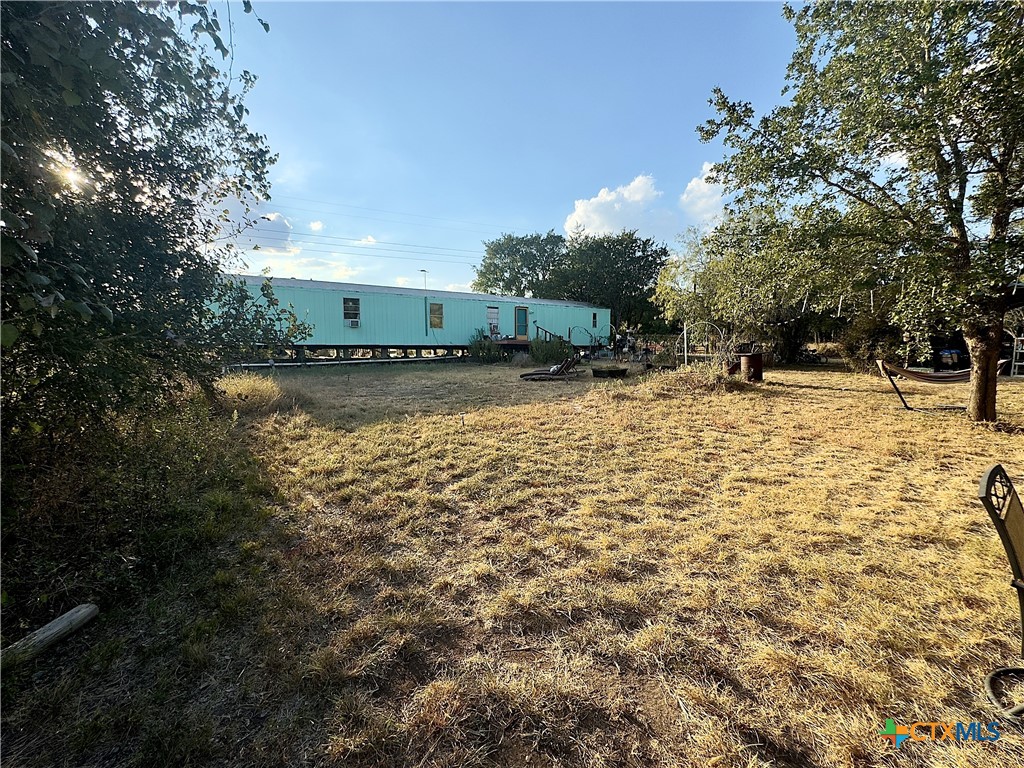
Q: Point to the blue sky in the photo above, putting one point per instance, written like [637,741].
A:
[409,133]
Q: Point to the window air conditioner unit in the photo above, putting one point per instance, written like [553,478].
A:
[352,323]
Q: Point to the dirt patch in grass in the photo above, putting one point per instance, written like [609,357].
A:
[469,569]
[355,396]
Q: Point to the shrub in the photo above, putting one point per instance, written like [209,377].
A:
[249,392]
[550,351]
[483,349]
[869,338]
[666,357]
[829,349]
[98,519]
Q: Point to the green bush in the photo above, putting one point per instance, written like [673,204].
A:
[550,352]
[483,349]
[98,519]
[869,338]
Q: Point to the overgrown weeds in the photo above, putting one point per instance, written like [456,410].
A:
[98,515]
[483,349]
[696,379]
[254,394]
[162,519]
[546,352]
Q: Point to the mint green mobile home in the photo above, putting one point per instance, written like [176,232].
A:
[351,316]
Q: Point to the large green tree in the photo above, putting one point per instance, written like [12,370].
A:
[755,274]
[519,265]
[906,120]
[124,145]
[618,271]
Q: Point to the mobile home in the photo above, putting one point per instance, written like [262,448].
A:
[348,316]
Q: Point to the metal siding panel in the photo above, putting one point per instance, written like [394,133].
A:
[399,320]
[462,318]
[395,321]
[559,319]
[312,306]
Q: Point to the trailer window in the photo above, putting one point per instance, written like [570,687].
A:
[350,308]
[492,321]
[593,322]
[436,315]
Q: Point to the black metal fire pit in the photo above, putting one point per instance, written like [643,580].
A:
[610,372]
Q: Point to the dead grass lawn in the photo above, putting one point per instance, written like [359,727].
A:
[483,571]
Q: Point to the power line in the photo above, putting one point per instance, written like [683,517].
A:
[379,256]
[257,230]
[387,221]
[280,237]
[396,213]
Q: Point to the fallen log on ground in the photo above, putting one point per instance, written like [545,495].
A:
[35,643]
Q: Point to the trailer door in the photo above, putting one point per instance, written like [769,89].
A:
[522,328]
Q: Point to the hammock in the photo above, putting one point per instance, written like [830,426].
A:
[944,377]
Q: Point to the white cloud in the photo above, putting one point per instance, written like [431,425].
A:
[342,272]
[702,200]
[277,217]
[290,263]
[273,235]
[459,287]
[402,281]
[294,174]
[625,207]
[368,240]
[316,226]
[896,159]
[270,251]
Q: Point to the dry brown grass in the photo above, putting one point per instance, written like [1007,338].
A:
[350,397]
[485,571]
[647,572]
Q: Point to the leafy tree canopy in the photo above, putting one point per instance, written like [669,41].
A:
[904,125]
[617,271]
[123,144]
[519,265]
[750,274]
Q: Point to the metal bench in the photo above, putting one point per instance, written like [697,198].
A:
[1000,499]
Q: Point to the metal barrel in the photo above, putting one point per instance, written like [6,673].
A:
[752,366]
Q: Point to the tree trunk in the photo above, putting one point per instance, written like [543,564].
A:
[983,344]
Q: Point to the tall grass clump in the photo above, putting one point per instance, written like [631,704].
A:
[255,394]
[95,517]
[483,349]
[550,351]
[695,379]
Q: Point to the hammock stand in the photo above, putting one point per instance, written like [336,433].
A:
[944,377]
